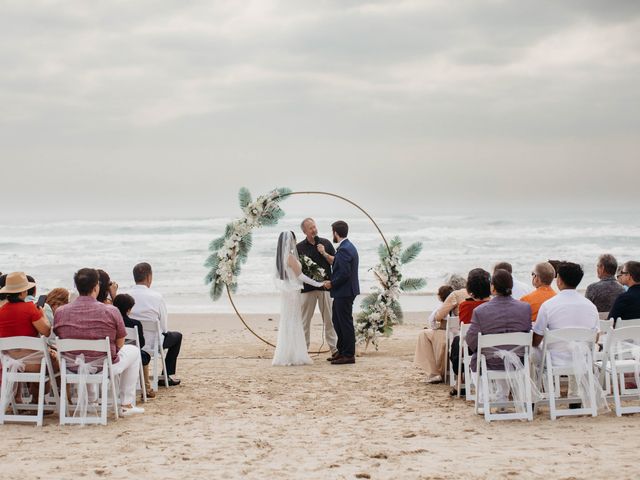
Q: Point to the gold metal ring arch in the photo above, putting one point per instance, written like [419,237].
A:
[327,194]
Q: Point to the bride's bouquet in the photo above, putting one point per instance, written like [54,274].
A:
[312,270]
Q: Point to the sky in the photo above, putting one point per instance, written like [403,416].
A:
[167,108]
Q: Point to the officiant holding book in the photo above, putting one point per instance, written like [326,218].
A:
[312,296]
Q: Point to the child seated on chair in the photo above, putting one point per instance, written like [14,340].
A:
[125,303]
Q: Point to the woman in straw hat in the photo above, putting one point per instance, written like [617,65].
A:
[23,319]
[17,317]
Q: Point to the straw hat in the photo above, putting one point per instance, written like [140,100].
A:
[17,283]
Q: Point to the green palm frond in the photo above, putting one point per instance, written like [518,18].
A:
[368,301]
[212,262]
[412,284]
[244,196]
[216,244]
[215,292]
[397,310]
[411,253]
[283,193]
[245,247]
[395,242]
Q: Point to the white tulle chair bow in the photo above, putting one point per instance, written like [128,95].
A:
[83,404]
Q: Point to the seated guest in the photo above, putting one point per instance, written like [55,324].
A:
[149,305]
[57,298]
[22,318]
[501,314]
[479,288]
[520,289]
[541,278]
[32,297]
[125,303]
[568,309]
[453,301]
[108,289]
[86,318]
[605,291]
[431,344]
[627,305]
[18,317]
[3,296]
[443,292]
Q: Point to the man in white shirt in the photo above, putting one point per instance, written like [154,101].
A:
[568,309]
[520,289]
[150,306]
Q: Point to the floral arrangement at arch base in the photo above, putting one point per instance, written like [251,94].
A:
[380,309]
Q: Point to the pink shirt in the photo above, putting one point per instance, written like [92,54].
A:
[87,319]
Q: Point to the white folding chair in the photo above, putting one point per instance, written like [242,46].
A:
[519,340]
[627,323]
[464,365]
[622,356]
[103,377]
[11,374]
[152,329]
[561,339]
[606,324]
[451,330]
[133,338]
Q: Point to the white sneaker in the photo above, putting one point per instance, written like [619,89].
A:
[125,412]
[434,379]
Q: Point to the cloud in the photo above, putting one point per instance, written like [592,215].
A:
[189,90]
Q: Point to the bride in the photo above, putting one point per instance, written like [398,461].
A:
[291,347]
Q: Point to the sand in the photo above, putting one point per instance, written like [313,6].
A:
[235,416]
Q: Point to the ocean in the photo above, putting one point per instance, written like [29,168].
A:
[177,249]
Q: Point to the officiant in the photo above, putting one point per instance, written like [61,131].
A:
[312,296]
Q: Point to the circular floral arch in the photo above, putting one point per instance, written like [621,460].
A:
[380,309]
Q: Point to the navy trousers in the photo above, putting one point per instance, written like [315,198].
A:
[343,324]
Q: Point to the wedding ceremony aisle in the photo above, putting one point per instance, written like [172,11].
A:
[236,416]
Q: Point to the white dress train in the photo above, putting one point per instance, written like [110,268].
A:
[291,347]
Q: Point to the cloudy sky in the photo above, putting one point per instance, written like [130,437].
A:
[168,107]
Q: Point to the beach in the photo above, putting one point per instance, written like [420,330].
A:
[236,416]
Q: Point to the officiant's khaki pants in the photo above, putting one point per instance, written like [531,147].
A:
[323,300]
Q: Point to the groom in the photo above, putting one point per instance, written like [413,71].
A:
[344,287]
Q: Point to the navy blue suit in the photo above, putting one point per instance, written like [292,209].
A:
[344,289]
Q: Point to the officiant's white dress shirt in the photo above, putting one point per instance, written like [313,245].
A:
[149,306]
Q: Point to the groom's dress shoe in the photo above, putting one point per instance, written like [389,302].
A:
[333,357]
[342,360]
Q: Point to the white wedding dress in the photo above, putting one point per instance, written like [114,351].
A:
[291,346]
